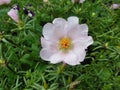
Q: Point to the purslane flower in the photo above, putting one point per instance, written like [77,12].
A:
[65,41]
[13,13]
[115,6]
[4,2]
[80,1]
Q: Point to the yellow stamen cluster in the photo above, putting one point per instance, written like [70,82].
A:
[65,43]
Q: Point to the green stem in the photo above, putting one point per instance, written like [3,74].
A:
[61,68]
[3,57]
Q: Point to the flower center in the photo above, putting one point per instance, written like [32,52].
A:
[65,43]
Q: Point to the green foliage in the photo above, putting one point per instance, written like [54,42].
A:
[21,67]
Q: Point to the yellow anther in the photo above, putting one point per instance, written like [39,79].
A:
[65,43]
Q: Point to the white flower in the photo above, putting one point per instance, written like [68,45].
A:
[80,1]
[13,13]
[115,6]
[4,2]
[65,41]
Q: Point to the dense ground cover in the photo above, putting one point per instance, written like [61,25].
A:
[21,67]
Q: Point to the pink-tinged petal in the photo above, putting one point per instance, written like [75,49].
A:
[54,31]
[48,31]
[45,54]
[4,2]
[83,41]
[80,52]
[59,33]
[115,6]
[60,24]
[49,44]
[84,28]
[59,21]
[70,26]
[73,20]
[56,58]
[78,30]
[71,59]
[45,43]
[14,15]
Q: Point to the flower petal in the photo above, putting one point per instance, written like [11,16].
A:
[45,54]
[45,43]
[83,41]
[54,31]
[49,45]
[60,24]
[71,59]
[59,21]
[115,6]
[72,23]
[73,20]
[4,2]
[14,15]
[48,31]
[80,52]
[56,58]
[79,30]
